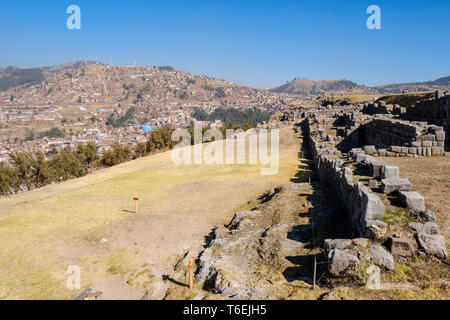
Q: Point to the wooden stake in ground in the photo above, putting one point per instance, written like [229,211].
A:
[136,199]
[191,276]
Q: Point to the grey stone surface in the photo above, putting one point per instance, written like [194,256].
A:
[433,244]
[373,207]
[360,242]
[369,149]
[341,244]
[376,230]
[402,247]
[382,258]
[376,167]
[412,200]
[342,264]
[430,228]
[389,172]
[416,226]
[395,184]
[422,215]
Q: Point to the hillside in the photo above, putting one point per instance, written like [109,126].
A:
[311,87]
[12,77]
[89,82]
[439,84]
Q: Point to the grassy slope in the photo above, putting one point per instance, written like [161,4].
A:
[44,231]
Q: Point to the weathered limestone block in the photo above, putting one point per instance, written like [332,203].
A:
[376,167]
[440,136]
[370,149]
[433,244]
[412,200]
[373,207]
[342,264]
[402,247]
[437,151]
[340,244]
[389,172]
[382,258]
[396,149]
[360,242]
[391,185]
[422,215]
[376,230]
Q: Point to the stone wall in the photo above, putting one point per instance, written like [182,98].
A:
[364,208]
[385,137]
[436,111]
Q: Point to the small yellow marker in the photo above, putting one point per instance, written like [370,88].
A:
[136,199]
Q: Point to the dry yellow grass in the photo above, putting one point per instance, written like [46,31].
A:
[44,231]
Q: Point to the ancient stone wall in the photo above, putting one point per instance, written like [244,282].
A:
[436,111]
[364,207]
[384,137]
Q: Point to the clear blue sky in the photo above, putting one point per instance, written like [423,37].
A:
[251,42]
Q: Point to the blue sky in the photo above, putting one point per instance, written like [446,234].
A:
[257,43]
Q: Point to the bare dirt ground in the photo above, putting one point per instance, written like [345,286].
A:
[89,222]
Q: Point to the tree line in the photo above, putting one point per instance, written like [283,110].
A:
[34,169]
[233,117]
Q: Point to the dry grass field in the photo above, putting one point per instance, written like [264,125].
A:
[429,176]
[45,231]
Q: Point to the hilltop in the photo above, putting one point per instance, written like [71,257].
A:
[311,87]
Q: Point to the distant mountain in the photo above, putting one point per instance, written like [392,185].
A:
[439,84]
[311,87]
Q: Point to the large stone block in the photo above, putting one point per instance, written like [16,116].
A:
[440,136]
[402,247]
[433,244]
[437,151]
[376,230]
[391,185]
[341,244]
[369,149]
[382,258]
[342,264]
[376,167]
[373,208]
[389,172]
[422,215]
[412,200]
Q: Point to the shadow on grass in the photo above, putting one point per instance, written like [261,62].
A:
[166,277]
